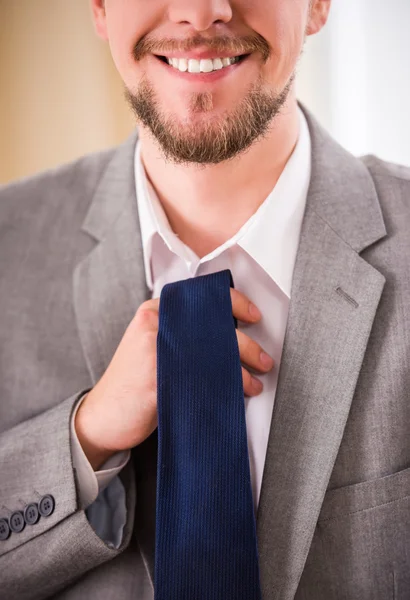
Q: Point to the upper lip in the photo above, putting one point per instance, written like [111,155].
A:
[200,54]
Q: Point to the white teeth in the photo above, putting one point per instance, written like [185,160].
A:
[194,66]
[183,64]
[207,65]
[218,64]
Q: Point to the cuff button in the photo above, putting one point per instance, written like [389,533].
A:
[46,505]
[17,522]
[31,514]
[4,529]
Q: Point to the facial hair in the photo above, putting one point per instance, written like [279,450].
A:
[216,139]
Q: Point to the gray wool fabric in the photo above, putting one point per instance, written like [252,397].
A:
[334,515]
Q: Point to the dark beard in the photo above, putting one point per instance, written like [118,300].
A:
[215,140]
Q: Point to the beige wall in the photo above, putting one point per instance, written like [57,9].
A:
[60,94]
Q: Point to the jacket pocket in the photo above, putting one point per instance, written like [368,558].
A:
[358,497]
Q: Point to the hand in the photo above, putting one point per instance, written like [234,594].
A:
[120,412]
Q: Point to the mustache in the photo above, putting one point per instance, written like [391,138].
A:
[223,44]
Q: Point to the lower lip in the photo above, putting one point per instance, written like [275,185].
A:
[203,77]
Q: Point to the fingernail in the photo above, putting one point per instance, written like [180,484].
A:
[254,311]
[256,384]
[266,360]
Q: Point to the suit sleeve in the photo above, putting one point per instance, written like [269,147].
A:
[41,556]
[101,492]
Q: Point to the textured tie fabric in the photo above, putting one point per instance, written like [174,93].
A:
[205,541]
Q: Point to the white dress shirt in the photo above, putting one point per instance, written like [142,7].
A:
[261,257]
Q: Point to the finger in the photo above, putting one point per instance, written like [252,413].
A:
[242,307]
[147,315]
[251,385]
[252,354]
[148,305]
[151,304]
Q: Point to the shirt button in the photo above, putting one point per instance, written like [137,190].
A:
[17,522]
[46,505]
[31,514]
[4,529]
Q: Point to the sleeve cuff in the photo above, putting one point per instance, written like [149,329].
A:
[91,482]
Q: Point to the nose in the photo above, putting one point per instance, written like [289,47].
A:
[200,14]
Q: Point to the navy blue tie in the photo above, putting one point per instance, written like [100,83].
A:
[205,538]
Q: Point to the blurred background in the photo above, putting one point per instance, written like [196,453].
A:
[61,97]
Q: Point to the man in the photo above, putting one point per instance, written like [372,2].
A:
[225,170]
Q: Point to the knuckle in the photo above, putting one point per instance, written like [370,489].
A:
[246,378]
[239,300]
[251,347]
[256,353]
[248,346]
[146,315]
[147,304]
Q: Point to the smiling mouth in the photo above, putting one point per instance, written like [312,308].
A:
[193,65]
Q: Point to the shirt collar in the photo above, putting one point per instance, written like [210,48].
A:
[271,234]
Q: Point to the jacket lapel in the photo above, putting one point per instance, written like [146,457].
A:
[108,286]
[335,294]
[334,298]
[109,283]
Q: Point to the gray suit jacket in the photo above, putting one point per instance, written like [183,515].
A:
[334,514]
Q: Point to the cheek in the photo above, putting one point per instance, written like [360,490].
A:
[126,25]
[282,24]
[121,40]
